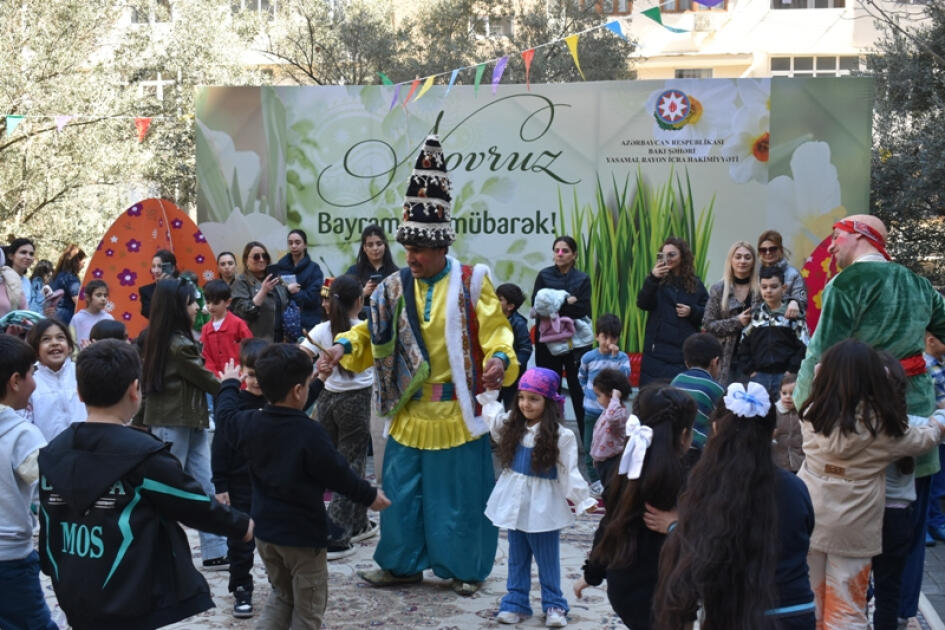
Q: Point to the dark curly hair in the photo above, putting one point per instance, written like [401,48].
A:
[684,272]
[724,550]
[545,452]
[670,412]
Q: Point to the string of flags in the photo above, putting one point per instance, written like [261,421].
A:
[143,123]
[571,41]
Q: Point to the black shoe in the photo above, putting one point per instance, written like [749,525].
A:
[243,607]
[216,564]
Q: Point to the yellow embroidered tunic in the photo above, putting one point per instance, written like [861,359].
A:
[425,423]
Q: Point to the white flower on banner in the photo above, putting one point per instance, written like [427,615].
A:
[692,114]
[804,206]
[755,93]
[239,229]
[749,143]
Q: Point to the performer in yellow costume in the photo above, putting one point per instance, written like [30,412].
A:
[436,337]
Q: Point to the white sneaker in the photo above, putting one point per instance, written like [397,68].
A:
[337,552]
[556,618]
[371,530]
[597,488]
[507,616]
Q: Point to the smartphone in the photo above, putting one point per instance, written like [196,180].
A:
[167,269]
[375,278]
[659,259]
[273,270]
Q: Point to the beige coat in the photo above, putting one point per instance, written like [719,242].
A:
[845,475]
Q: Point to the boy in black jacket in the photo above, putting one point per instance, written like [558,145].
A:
[511,299]
[110,500]
[291,462]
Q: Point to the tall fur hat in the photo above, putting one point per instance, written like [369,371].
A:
[426,219]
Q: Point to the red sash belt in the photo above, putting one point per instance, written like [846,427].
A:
[913,365]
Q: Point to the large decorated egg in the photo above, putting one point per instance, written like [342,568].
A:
[817,271]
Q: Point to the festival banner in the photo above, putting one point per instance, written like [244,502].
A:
[619,165]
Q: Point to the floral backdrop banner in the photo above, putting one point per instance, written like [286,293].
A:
[619,165]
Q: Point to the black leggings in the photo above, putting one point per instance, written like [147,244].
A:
[570,362]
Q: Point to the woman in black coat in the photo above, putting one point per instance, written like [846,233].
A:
[675,299]
[306,290]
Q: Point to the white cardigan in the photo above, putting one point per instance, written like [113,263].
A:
[55,402]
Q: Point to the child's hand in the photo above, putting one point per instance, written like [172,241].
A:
[571,299]
[579,587]
[249,531]
[381,501]
[223,497]
[658,520]
[230,370]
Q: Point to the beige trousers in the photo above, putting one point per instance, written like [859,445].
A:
[839,584]
[299,580]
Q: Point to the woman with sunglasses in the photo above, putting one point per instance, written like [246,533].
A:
[675,299]
[563,275]
[259,297]
[771,252]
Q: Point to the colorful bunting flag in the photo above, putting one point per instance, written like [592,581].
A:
[655,15]
[13,121]
[615,27]
[62,121]
[142,124]
[479,70]
[497,72]
[413,88]
[384,79]
[394,100]
[449,86]
[527,56]
[572,42]
[426,86]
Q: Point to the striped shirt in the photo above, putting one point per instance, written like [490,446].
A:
[592,363]
[706,392]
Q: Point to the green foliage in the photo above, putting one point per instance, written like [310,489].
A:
[909,139]
[619,235]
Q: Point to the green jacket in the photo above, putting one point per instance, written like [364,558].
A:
[183,401]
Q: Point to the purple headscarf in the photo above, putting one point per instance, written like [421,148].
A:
[544,382]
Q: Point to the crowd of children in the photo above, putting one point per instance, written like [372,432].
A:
[727,505]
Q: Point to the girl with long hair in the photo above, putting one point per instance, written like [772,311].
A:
[55,403]
[163,267]
[651,472]
[175,385]
[675,299]
[344,409]
[854,425]
[739,547]
[302,278]
[374,261]
[731,299]
[540,474]
[66,277]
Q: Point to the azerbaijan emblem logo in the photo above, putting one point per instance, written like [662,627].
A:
[675,109]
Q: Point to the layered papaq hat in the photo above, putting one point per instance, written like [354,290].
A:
[426,219]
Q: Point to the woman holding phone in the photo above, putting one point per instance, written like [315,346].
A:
[302,278]
[163,267]
[374,262]
[675,299]
[259,296]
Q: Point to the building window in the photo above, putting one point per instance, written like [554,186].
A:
[154,87]
[151,11]
[808,4]
[492,26]
[259,6]
[614,7]
[694,73]
[678,6]
[820,66]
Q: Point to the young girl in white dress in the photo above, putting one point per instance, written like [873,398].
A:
[540,474]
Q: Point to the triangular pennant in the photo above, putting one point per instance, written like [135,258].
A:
[449,86]
[709,3]
[527,57]
[615,27]
[572,42]
[12,123]
[413,88]
[142,123]
[394,100]
[497,72]
[384,79]
[426,86]
[62,121]
[655,15]
[479,70]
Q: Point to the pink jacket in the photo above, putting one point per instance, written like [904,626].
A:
[610,436]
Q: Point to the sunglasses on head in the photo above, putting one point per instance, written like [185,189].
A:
[258,256]
[768,250]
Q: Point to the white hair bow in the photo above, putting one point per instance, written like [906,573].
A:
[747,402]
[639,437]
